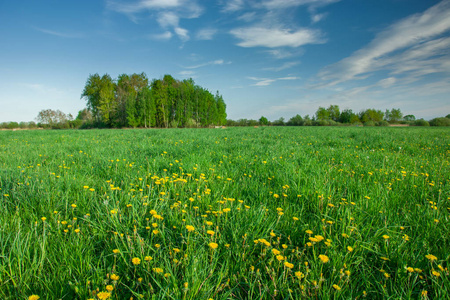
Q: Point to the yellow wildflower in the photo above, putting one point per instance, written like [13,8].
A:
[103,295]
[136,261]
[324,258]
[431,257]
[213,245]
[114,277]
[190,228]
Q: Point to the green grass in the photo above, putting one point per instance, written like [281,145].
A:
[384,192]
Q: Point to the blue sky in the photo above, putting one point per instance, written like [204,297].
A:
[273,58]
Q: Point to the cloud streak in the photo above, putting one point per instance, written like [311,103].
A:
[406,46]
[269,81]
[60,34]
[258,36]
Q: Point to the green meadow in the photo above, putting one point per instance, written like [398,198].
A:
[235,213]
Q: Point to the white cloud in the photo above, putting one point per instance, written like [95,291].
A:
[214,62]
[286,65]
[387,82]
[186,73]
[182,33]
[247,17]
[169,13]
[278,4]
[274,37]
[269,81]
[233,5]
[318,17]
[168,18]
[415,35]
[137,6]
[206,34]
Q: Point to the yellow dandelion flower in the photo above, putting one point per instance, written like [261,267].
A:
[157,270]
[148,258]
[295,218]
[103,295]
[109,288]
[288,265]
[213,245]
[280,257]
[435,273]
[210,232]
[209,223]
[431,257]
[43,219]
[275,251]
[114,277]
[299,275]
[336,287]
[324,258]
[115,251]
[309,231]
[136,261]
[350,249]
[33,297]
[190,228]
[385,236]
[410,270]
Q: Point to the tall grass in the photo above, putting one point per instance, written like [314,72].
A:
[294,212]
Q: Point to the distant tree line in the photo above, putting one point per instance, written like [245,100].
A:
[332,116]
[198,117]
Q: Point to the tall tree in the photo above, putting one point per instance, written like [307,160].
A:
[100,97]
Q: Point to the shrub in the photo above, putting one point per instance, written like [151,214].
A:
[382,123]
[369,123]
[420,122]
[440,122]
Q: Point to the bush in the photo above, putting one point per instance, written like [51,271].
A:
[382,123]
[440,122]
[369,123]
[420,122]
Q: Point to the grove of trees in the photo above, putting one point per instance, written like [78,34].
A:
[133,101]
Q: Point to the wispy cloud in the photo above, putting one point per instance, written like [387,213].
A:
[60,34]
[206,34]
[233,5]
[317,17]
[269,81]
[213,62]
[412,45]
[169,12]
[258,36]
[277,4]
[284,66]
[247,17]
[187,73]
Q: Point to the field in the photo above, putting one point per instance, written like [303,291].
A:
[236,213]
